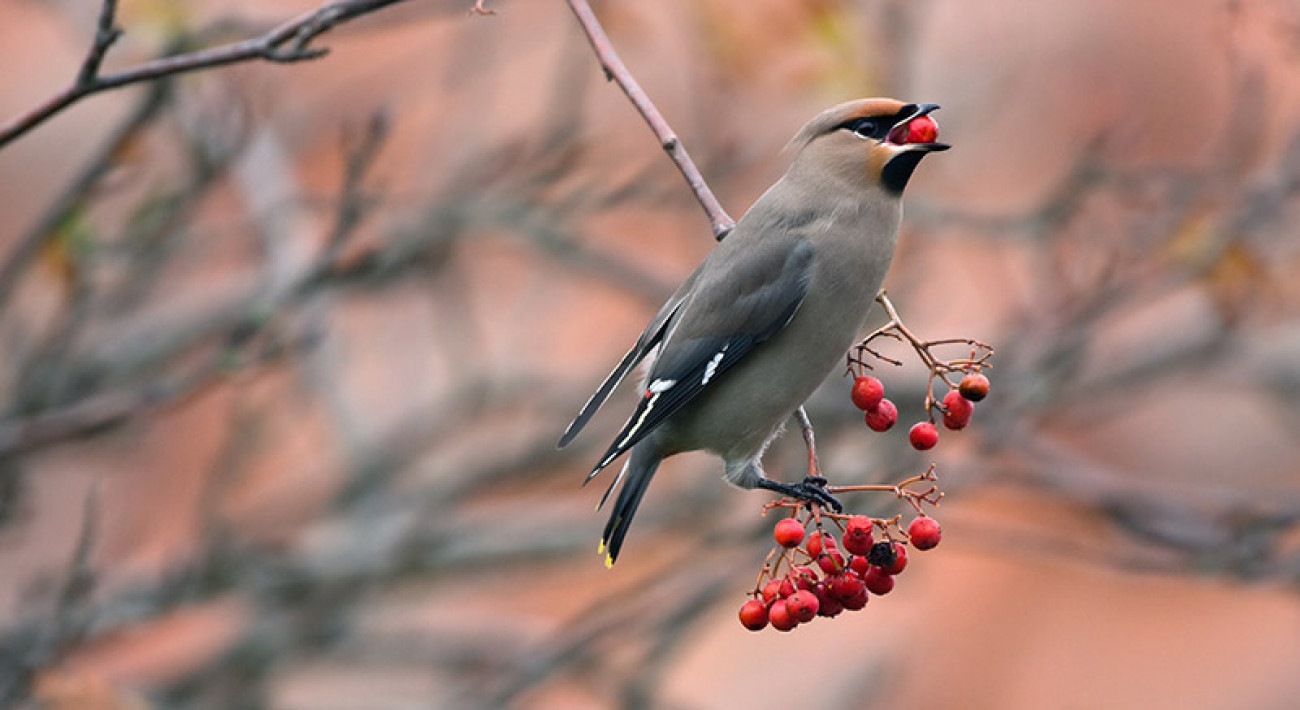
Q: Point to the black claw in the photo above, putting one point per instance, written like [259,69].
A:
[811,489]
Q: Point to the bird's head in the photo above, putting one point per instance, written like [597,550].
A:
[879,141]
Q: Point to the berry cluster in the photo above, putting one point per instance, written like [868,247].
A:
[819,574]
[955,409]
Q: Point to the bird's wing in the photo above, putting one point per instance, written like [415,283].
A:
[650,337]
[730,311]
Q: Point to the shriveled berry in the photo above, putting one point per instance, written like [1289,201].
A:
[974,386]
[882,416]
[857,535]
[780,617]
[900,560]
[882,553]
[925,533]
[820,542]
[803,606]
[956,410]
[923,436]
[788,532]
[867,392]
[753,615]
[878,581]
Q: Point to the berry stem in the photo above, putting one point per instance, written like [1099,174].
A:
[979,359]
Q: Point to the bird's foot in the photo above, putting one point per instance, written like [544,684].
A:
[812,489]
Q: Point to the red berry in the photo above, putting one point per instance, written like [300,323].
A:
[867,392]
[857,535]
[820,541]
[925,533]
[974,387]
[922,130]
[956,410]
[780,617]
[803,606]
[878,581]
[900,560]
[804,578]
[857,601]
[882,416]
[829,605]
[787,588]
[923,436]
[845,586]
[832,562]
[753,615]
[771,590]
[788,532]
[858,565]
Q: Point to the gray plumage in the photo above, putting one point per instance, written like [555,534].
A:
[771,311]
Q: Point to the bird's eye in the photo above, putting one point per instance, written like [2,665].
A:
[865,128]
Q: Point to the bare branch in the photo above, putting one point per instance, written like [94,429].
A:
[106,33]
[288,42]
[617,72]
[22,254]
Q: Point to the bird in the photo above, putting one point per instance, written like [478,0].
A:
[770,311]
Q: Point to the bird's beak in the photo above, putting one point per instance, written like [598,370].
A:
[902,134]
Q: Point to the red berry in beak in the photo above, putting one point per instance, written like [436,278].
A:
[922,129]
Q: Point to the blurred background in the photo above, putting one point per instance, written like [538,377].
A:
[285,349]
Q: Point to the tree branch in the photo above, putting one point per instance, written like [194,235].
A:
[617,72]
[288,42]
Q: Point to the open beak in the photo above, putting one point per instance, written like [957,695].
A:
[902,135]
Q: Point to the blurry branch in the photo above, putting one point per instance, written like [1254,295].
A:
[70,620]
[352,206]
[96,412]
[617,72]
[288,42]
[148,110]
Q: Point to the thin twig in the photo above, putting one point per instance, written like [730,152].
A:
[106,33]
[100,164]
[288,42]
[617,72]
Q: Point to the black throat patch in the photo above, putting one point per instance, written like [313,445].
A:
[899,170]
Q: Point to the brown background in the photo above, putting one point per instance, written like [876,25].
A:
[362,508]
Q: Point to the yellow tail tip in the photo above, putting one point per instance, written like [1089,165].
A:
[600,549]
[609,562]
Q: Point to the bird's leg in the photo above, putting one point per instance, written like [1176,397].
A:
[810,489]
[813,487]
[814,468]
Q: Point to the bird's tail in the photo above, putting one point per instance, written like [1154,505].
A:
[642,463]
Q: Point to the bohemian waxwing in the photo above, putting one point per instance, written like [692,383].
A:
[771,311]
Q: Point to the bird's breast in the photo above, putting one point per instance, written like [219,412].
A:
[851,258]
